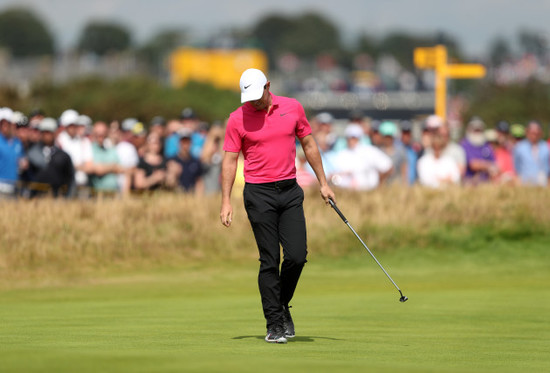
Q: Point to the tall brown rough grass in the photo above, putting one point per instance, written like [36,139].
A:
[56,237]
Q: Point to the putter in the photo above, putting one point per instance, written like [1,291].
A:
[403,298]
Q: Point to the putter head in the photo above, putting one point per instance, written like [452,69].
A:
[403,299]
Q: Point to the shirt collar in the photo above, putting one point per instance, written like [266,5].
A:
[275,100]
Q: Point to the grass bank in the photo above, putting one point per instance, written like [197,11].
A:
[49,239]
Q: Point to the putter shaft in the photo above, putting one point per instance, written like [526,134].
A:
[403,298]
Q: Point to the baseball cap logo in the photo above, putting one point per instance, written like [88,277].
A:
[246,86]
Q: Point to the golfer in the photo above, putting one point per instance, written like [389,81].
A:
[265,129]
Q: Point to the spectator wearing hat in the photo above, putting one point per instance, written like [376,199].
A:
[517,132]
[150,173]
[12,155]
[451,149]
[128,157]
[374,135]
[157,126]
[50,168]
[190,122]
[84,124]
[26,135]
[186,169]
[34,119]
[360,167]
[79,149]
[22,129]
[139,138]
[188,119]
[532,157]
[480,159]
[432,124]
[8,168]
[324,131]
[327,148]
[436,169]
[106,166]
[8,130]
[504,137]
[356,117]
[396,151]
[503,157]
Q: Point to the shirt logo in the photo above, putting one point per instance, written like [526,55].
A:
[246,86]
[283,114]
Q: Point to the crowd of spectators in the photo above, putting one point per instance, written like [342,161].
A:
[75,157]
[370,153]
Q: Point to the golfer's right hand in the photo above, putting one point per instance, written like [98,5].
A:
[226,214]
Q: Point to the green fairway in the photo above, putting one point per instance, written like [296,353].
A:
[477,312]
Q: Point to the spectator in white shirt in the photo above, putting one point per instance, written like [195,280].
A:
[79,148]
[359,166]
[437,169]
[127,153]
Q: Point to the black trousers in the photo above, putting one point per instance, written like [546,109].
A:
[276,214]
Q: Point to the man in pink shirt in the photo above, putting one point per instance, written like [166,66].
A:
[264,129]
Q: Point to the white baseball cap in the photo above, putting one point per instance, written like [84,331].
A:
[324,118]
[434,122]
[68,117]
[128,124]
[84,120]
[353,130]
[47,125]
[6,114]
[252,85]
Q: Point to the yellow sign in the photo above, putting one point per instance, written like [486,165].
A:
[222,68]
[424,58]
[465,71]
[436,58]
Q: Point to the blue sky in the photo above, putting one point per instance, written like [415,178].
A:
[473,22]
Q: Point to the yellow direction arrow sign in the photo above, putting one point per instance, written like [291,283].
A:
[465,71]
[425,58]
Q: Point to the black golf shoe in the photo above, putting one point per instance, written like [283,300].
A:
[288,323]
[275,334]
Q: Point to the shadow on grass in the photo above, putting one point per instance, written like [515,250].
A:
[295,339]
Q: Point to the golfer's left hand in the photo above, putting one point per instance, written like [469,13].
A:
[226,214]
[327,193]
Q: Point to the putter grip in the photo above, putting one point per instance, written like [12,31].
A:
[337,210]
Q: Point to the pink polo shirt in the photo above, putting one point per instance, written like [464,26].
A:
[267,140]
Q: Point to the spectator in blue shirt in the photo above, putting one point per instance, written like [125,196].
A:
[410,150]
[11,153]
[185,168]
[171,141]
[532,157]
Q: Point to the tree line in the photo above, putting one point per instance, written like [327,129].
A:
[24,34]
[305,36]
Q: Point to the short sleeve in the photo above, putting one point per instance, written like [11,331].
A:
[233,141]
